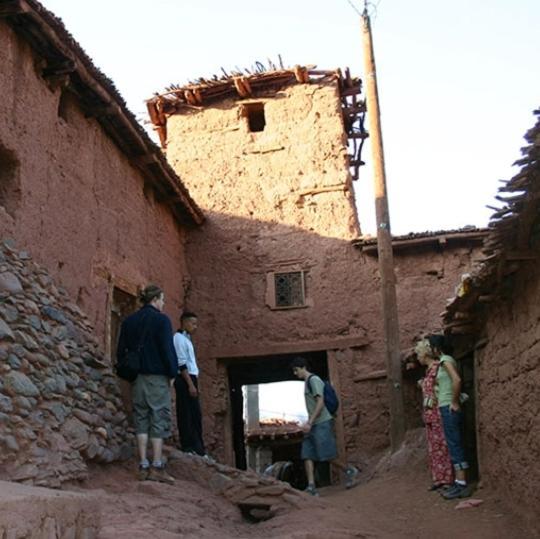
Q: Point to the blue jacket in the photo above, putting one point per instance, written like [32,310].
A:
[158,355]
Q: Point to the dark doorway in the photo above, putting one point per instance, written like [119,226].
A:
[469,414]
[255,116]
[122,305]
[260,370]
[10,188]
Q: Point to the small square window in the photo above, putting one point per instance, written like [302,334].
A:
[255,116]
[289,289]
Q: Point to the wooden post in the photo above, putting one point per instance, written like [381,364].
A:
[252,420]
[384,243]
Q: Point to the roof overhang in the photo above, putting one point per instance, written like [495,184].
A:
[414,241]
[513,242]
[64,64]
[259,84]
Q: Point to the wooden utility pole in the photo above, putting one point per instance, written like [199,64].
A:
[253,418]
[384,243]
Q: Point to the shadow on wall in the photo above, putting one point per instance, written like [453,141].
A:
[261,282]
[262,289]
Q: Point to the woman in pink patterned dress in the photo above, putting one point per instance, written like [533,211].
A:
[442,472]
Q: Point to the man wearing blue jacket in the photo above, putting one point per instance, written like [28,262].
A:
[150,331]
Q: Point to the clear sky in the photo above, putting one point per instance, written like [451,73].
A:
[284,400]
[458,81]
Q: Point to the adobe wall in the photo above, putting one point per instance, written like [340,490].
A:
[281,200]
[75,202]
[508,413]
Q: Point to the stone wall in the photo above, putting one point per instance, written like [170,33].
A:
[60,403]
[508,373]
[281,200]
[70,196]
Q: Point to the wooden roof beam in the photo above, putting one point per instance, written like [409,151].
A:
[59,66]
[301,74]
[9,8]
[242,86]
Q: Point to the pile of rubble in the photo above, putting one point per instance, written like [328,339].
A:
[258,497]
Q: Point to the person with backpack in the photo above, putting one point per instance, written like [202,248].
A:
[319,444]
[146,346]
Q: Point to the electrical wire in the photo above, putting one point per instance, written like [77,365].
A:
[370,8]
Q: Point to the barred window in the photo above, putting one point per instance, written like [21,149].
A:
[289,289]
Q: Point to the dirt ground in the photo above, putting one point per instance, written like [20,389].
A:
[394,503]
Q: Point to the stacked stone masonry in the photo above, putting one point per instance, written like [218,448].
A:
[60,403]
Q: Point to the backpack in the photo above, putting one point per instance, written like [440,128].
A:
[128,362]
[330,398]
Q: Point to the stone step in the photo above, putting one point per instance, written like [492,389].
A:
[39,513]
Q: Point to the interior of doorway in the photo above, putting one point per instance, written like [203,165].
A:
[468,387]
[262,370]
[122,305]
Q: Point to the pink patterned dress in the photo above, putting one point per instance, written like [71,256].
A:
[442,471]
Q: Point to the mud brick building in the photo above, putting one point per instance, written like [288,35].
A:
[280,268]
[89,211]
[82,187]
[270,255]
[494,322]
[268,251]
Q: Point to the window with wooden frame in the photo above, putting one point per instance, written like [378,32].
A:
[287,290]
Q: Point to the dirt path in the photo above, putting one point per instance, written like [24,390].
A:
[394,504]
[398,505]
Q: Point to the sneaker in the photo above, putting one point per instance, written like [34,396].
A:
[451,488]
[311,490]
[143,472]
[439,487]
[160,475]
[457,491]
[351,476]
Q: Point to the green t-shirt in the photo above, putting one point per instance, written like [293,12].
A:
[444,382]
[314,387]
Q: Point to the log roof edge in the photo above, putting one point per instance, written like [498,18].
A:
[416,239]
[508,245]
[65,61]
[246,85]
[239,85]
